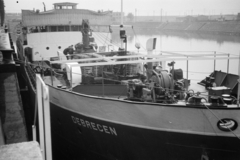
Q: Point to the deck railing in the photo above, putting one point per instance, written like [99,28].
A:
[43,119]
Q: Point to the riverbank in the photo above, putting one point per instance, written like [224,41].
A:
[227,27]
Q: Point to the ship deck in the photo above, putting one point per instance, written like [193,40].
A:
[102,91]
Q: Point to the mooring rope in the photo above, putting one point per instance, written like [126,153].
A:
[221,121]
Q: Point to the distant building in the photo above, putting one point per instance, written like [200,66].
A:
[156,18]
[13,16]
[238,17]
[202,18]
[180,19]
[223,17]
[190,19]
[116,16]
[230,17]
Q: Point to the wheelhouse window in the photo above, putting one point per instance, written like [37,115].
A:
[74,28]
[60,28]
[67,28]
[53,28]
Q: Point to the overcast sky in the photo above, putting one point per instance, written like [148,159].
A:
[139,7]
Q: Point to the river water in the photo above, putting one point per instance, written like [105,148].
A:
[189,43]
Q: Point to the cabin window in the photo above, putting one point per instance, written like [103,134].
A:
[74,28]
[69,7]
[60,28]
[46,28]
[53,28]
[67,28]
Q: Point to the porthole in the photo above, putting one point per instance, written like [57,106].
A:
[227,125]
[47,48]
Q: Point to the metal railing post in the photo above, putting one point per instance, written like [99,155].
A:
[40,115]
[70,77]
[42,70]
[34,133]
[35,116]
[228,64]
[51,74]
[44,119]
[47,122]
[187,68]
[214,67]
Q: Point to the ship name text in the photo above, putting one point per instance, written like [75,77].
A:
[94,126]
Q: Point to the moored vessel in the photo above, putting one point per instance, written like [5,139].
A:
[104,108]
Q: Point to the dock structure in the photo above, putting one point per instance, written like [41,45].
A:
[24,151]
[11,110]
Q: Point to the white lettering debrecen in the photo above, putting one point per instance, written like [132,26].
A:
[94,126]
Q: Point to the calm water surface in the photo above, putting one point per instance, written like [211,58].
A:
[189,43]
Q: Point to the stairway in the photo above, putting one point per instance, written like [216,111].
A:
[11,109]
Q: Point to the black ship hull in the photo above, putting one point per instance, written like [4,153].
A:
[117,134]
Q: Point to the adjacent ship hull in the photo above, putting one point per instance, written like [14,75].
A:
[91,127]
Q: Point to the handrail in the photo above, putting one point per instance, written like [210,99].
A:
[31,74]
[135,55]
[148,60]
[162,58]
[43,119]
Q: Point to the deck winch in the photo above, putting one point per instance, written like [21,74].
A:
[160,88]
[224,99]
[196,100]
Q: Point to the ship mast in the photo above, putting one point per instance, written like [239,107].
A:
[122,32]
[121,12]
